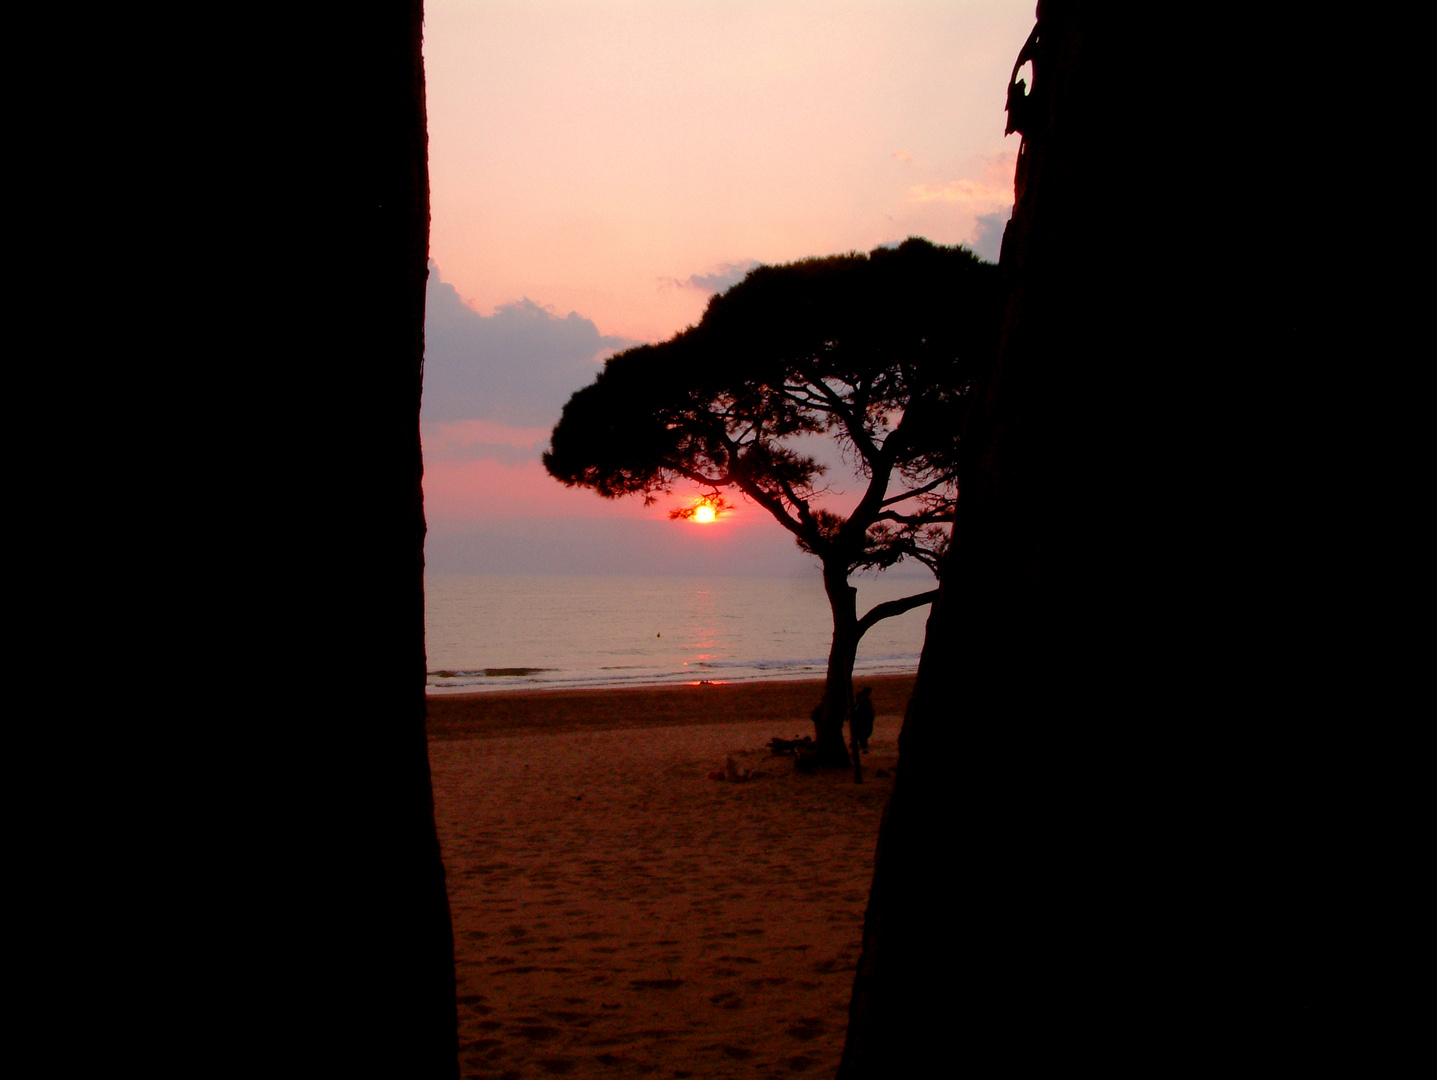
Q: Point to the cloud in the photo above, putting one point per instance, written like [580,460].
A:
[967,192]
[477,440]
[988,234]
[993,192]
[517,366]
[722,277]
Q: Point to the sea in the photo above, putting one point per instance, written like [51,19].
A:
[504,632]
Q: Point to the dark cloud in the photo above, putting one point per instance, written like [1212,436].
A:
[517,366]
[720,279]
[988,235]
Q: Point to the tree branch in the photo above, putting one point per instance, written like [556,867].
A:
[889,608]
[804,514]
[935,518]
[808,401]
[774,505]
[756,426]
[944,479]
[699,478]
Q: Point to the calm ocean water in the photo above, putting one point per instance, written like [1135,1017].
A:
[488,632]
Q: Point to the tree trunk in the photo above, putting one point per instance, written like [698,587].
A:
[838,682]
[303,525]
[1052,864]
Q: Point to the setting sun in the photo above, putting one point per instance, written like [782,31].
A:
[704,514]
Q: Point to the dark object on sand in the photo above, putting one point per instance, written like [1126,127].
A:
[734,772]
[789,747]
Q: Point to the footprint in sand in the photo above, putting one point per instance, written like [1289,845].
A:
[536,1033]
[656,984]
[806,1028]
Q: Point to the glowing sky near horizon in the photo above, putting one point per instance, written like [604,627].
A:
[599,167]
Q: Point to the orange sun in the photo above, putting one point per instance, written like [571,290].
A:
[702,511]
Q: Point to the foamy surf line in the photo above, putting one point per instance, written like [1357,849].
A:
[482,680]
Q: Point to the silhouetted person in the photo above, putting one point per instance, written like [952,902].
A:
[863,717]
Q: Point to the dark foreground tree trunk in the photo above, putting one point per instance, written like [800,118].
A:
[1070,862]
[293,914]
[367,936]
[362,970]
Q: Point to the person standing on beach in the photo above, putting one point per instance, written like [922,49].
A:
[863,717]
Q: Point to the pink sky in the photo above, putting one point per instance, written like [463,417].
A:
[598,157]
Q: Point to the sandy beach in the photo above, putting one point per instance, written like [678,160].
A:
[619,913]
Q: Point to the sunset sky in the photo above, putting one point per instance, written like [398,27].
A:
[600,167]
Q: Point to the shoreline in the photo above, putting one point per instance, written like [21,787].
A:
[495,713]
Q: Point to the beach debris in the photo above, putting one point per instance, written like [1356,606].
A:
[734,772]
[789,747]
